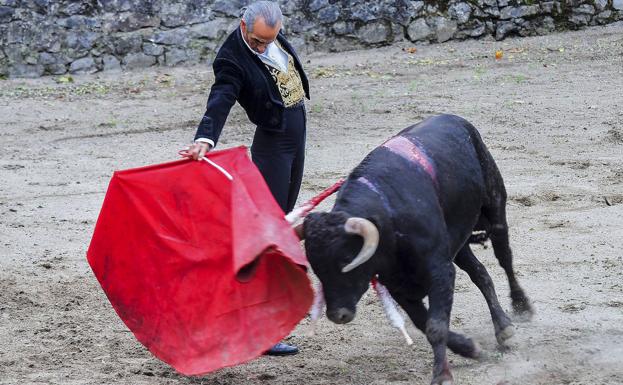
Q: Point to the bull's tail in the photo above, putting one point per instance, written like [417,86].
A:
[479,238]
[482,231]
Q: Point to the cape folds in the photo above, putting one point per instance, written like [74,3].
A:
[203,270]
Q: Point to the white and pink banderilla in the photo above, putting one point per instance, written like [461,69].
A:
[389,305]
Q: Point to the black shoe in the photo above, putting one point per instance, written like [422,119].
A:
[282,349]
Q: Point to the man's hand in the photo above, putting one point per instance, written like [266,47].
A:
[196,150]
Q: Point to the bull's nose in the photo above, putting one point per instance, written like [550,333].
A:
[340,315]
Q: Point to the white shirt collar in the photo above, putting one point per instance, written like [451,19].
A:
[273,56]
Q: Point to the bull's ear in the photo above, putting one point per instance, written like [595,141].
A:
[312,225]
[298,229]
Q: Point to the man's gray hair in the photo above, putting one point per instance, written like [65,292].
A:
[267,10]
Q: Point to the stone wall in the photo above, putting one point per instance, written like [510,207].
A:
[53,37]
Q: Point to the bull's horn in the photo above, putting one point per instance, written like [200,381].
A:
[370,234]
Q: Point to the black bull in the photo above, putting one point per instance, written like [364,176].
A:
[406,213]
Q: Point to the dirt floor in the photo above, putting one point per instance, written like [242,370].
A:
[551,112]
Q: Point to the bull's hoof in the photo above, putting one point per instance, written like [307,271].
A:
[478,353]
[505,334]
[475,352]
[523,310]
[444,379]
[464,346]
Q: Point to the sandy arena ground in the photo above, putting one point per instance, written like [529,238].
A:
[551,112]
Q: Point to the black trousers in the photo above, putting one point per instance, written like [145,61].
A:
[280,157]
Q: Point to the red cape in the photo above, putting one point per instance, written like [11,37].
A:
[203,270]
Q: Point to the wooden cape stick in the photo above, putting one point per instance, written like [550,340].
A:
[304,209]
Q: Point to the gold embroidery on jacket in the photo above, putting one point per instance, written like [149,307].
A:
[289,83]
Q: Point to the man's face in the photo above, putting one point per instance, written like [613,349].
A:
[261,36]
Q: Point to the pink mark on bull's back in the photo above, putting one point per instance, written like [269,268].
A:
[403,147]
[372,186]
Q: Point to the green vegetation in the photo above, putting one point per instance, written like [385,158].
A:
[65,89]
[64,79]
[519,78]
[515,78]
[317,108]
[479,72]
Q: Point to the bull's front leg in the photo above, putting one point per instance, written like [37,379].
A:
[418,313]
[440,296]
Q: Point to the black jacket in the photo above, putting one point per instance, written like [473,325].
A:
[241,76]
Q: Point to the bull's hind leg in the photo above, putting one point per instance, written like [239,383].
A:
[466,260]
[496,215]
